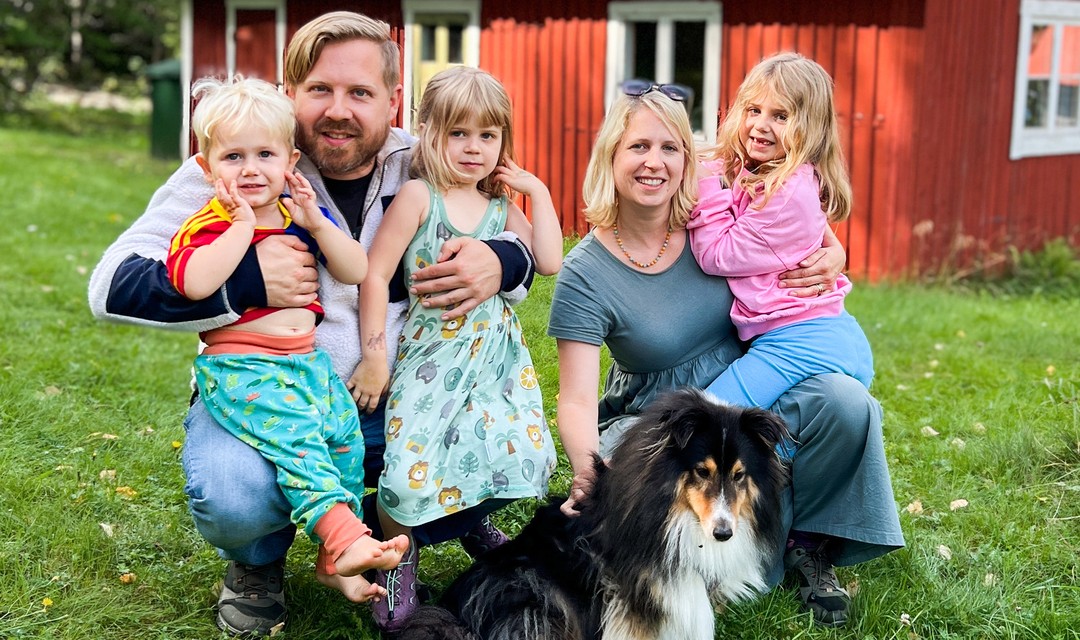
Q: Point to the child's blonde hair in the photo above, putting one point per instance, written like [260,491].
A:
[226,106]
[805,90]
[598,191]
[453,97]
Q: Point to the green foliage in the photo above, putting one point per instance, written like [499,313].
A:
[88,43]
[980,393]
[1053,271]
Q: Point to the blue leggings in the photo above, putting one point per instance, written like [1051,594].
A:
[784,357]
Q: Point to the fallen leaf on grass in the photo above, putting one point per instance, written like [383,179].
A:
[51,390]
[957,443]
[978,427]
[915,508]
[929,431]
[958,504]
[128,578]
[989,580]
[127,492]
[905,619]
[108,475]
[106,528]
[960,333]
[944,552]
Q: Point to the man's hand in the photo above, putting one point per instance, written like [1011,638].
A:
[288,271]
[466,273]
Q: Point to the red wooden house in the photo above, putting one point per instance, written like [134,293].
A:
[960,118]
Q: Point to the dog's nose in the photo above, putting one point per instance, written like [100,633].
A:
[722,532]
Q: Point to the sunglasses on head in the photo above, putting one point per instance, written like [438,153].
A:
[638,88]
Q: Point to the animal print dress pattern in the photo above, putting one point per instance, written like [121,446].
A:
[464,416]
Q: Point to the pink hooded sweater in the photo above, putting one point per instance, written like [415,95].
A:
[752,246]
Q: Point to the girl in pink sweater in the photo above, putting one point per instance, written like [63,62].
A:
[772,185]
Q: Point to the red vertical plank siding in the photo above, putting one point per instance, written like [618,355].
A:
[924,95]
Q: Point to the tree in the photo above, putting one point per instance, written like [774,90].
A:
[86,43]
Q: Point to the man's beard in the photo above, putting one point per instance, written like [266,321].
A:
[341,161]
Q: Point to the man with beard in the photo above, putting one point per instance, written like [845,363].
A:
[342,72]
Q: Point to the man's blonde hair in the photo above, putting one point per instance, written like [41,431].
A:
[601,198]
[339,26]
[805,90]
[228,106]
[454,97]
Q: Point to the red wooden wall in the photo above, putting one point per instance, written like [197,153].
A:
[551,61]
[872,52]
[924,92]
[978,201]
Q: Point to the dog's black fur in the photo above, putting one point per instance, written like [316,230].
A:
[685,516]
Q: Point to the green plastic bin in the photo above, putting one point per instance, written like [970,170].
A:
[166,102]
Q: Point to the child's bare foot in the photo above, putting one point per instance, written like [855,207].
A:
[368,553]
[355,588]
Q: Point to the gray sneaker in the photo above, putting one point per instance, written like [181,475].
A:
[819,589]
[252,601]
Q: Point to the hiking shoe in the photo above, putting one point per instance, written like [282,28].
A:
[400,601]
[819,589]
[482,538]
[252,600]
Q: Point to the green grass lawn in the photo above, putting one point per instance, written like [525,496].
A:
[981,396]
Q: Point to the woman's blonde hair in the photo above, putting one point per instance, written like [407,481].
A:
[454,97]
[805,90]
[339,26]
[228,106]
[598,191]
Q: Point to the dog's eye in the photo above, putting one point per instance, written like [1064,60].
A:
[738,476]
[701,472]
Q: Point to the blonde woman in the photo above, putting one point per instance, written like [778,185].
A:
[632,285]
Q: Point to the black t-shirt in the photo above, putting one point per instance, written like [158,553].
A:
[349,197]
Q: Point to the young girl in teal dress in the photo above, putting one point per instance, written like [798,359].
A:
[464,419]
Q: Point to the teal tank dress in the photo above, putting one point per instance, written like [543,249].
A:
[464,415]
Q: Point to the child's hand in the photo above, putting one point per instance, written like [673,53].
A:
[519,179]
[233,203]
[303,204]
[368,383]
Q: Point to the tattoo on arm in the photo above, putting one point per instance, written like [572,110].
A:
[377,341]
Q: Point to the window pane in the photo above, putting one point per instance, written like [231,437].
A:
[1038,89]
[455,55]
[427,43]
[643,46]
[1037,95]
[690,64]
[1069,74]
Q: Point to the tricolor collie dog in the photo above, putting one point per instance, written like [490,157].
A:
[684,517]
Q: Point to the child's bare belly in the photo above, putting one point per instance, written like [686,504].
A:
[284,322]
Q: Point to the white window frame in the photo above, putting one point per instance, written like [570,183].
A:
[279,33]
[666,14]
[470,41]
[1051,139]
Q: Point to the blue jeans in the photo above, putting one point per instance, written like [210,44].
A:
[238,507]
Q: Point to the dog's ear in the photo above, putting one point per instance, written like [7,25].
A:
[678,413]
[766,425]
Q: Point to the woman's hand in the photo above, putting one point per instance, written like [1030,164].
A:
[579,490]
